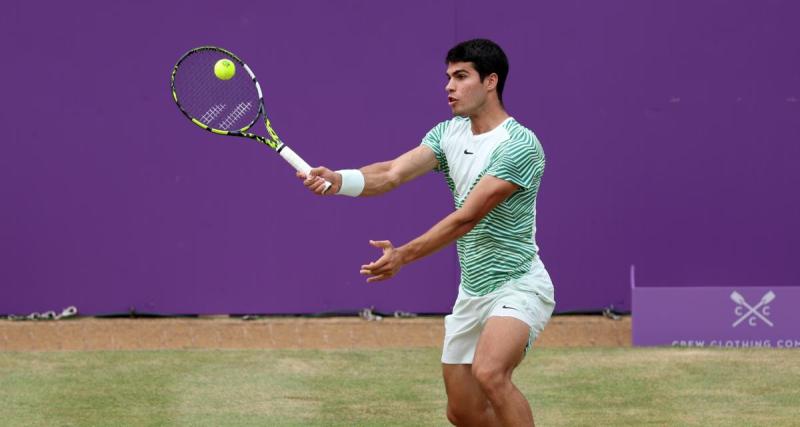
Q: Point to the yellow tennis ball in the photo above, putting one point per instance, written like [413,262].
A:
[224,69]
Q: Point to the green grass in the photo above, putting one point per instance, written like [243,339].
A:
[569,387]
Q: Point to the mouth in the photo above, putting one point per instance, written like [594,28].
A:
[451,100]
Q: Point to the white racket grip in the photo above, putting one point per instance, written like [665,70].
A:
[299,164]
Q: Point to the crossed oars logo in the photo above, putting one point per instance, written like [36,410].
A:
[752,311]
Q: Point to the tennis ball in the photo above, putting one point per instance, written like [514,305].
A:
[224,69]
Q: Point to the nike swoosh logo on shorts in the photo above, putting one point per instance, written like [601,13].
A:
[510,308]
[467,152]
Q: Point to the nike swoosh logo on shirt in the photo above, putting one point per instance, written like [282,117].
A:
[510,308]
[467,152]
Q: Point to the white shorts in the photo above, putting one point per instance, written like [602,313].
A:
[529,299]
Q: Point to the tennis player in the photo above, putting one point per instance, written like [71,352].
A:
[493,166]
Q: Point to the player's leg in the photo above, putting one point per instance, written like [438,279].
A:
[500,349]
[520,311]
[467,405]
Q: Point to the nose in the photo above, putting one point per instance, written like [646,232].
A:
[449,86]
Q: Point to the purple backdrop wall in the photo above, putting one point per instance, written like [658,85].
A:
[671,131]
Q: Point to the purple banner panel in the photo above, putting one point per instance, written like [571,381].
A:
[716,316]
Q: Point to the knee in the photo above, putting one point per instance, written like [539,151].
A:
[463,415]
[455,416]
[493,380]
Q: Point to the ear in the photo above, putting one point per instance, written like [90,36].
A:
[490,82]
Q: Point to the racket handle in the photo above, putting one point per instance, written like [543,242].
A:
[298,163]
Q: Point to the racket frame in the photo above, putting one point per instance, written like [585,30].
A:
[273,141]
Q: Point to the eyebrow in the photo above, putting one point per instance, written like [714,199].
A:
[460,70]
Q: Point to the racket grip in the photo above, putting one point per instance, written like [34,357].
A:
[298,163]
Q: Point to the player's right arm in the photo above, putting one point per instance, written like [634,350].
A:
[378,177]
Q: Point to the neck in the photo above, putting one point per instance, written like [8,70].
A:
[487,118]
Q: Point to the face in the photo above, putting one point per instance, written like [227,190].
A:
[466,94]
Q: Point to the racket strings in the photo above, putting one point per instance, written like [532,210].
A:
[219,104]
[212,113]
[238,112]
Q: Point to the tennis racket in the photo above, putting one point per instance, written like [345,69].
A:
[225,107]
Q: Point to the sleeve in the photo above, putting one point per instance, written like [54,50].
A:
[519,162]
[433,140]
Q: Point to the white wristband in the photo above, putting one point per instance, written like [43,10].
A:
[352,182]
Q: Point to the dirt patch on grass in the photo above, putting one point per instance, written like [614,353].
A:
[277,333]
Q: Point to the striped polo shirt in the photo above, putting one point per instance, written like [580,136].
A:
[502,245]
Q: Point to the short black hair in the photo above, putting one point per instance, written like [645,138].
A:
[486,56]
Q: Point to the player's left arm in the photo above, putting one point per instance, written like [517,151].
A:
[488,193]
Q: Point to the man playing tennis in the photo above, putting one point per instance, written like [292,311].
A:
[493,166]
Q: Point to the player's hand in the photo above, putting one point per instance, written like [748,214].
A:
[315,180]
[386,266]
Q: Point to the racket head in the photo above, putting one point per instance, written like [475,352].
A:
[226,107]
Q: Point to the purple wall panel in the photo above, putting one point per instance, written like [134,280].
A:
[671,132]
[148,211]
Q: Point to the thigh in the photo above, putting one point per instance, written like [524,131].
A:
[502,343]
[525,300]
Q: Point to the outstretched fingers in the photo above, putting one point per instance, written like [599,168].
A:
[385,267]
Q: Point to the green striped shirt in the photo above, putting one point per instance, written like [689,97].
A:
[502,245]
